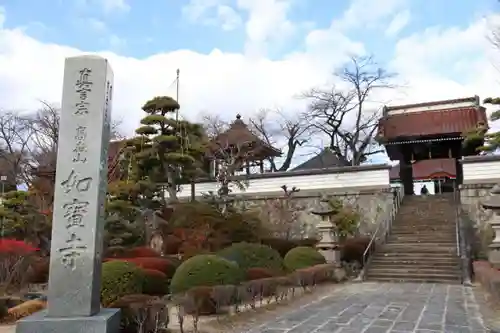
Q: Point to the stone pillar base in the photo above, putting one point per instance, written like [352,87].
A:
[331,256]
[494,258]
[106,321]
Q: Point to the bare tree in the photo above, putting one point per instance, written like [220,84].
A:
[44,125]
[214,125]
[230,159]
[274,127]
[15,136]
[289,131]
[284,215]
[346,115]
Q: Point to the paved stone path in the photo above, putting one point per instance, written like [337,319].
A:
[385,307]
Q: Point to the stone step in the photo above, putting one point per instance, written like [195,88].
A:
[422,261]
[419,223]
[416,225]
[422,231]
[421,264]
[416,255]
[418,251]
[423,236]
[416,239]
[416,245]
[412,279]
[399,276]
[414,270]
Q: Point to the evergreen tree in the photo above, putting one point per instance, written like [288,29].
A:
[21,219]
[166,152]
[123,227]
[490,141]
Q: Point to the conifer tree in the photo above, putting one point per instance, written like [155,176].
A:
[167,152]
[478,137]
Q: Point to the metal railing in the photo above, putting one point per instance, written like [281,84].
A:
[383,229]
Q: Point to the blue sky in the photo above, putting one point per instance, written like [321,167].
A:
[240,56]
[142,28]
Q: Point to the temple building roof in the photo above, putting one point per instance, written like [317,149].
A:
[239,135]
[451,117]
[325,159]
[114,150]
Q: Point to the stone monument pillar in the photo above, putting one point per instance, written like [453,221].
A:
[328,244]
[493,203]
[80,194]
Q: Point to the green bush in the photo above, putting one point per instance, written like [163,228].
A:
[303,257]
[120,278]
[155,282]
[252,255]
[205,270]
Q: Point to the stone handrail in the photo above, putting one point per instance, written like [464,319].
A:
[464,240]
[383,230]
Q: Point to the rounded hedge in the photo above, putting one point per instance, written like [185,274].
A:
[160,264]
[252,255]
[205,270]
[120,278]
[155,282]
[257,273]
[302,257]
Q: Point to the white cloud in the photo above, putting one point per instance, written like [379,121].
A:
[228,17]
[212,12]
[399,21]
[368,13]
[96,25]
[267,22]
[230,83]
[2,16]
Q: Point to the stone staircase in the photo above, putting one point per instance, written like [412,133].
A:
[422,246]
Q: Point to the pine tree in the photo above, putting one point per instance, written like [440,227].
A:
[478,137]
[166,152]
[21,219]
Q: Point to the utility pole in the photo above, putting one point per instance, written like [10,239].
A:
[3,179]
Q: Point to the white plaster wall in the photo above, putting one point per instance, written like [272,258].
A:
[481,171]
[363,178]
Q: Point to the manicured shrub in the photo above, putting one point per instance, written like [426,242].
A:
[16,258]
[155,282]
[150,311]
[353,248]
[159,264]
[171,244]
[205,270]
[256,273]
[120,278]
[115,252]
[284,245]
[39,270]
[174,259]
[303,257]
[141,252]
[250,255]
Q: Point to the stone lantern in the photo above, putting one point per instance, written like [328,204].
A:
[493,203]
[328,244]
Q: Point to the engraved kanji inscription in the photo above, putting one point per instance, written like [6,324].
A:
[76,182]
[72,251]
[83,88]
[107,101]
[80,149]
[74,212]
